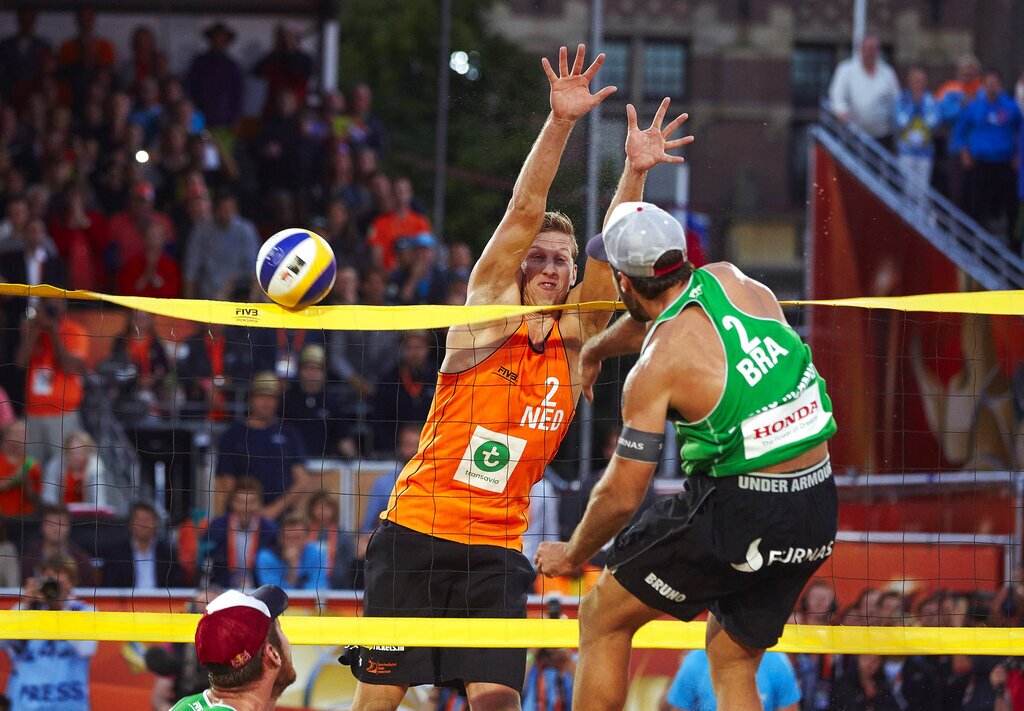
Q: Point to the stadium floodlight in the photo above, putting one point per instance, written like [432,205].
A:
[459,62]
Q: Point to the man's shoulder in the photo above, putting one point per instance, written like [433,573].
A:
[114,552]
[419,219]
[75,605]
[243,227]
[776,663]
[235,428]
[198,702]
[291,430]
[722,269]
[845,66]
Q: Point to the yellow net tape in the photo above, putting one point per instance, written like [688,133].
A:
[404,318]
[162,627]
[420,632]
[331,318]
[996,303]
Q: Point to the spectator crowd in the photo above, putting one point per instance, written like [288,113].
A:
[874,682]
[965,137]
[120,175]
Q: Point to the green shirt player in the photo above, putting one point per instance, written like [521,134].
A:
[759,513]
[240,642]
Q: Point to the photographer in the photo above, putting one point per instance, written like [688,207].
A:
[49,674]
[549,679]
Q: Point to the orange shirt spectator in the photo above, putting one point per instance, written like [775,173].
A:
[403,221]
[20,474]
[52,390]
[85,48]
[967,82]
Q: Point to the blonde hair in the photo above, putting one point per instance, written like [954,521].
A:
[555,221]
[83,438]
[61,564]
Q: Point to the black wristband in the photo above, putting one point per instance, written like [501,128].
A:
[640,446]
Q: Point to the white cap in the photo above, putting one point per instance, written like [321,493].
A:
[637,236]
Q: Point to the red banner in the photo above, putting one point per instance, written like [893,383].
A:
[911,392]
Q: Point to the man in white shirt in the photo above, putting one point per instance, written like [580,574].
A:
[864,90]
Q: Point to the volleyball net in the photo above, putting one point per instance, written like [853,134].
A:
[926,390]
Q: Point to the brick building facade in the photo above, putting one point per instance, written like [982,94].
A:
[751,73]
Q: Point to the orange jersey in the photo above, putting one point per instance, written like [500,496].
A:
[491,431]
[52,391]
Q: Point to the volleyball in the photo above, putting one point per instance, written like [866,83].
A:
[296,268]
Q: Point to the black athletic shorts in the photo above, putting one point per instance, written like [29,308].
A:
[410,574]
[741,546]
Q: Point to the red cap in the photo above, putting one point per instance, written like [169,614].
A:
[143,190]
[235,626]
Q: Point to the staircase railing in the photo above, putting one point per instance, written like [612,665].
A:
[976,251]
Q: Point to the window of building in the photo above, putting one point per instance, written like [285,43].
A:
[615,70]
[664,70]
[799,150]
[812,69]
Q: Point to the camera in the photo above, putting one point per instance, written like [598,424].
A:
[49,589]
[554,608]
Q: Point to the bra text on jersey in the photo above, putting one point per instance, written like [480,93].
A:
[762,355]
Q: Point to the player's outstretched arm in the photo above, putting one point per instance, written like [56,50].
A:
[621,490]
[645,148]
[625,337]
[493,279]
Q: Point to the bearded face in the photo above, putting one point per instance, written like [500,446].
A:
[286,674]
[633,306]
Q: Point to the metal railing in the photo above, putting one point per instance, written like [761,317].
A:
[976,251]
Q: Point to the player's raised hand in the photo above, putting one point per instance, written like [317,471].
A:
[646,148]
[570,89]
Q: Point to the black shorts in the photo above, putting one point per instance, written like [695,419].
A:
[411,574]
[741,546]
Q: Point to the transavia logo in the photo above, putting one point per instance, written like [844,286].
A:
[754,559]
[491,456]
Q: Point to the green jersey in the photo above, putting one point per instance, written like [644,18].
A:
[774,406]
[200,702]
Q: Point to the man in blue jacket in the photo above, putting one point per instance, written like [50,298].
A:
[989,127]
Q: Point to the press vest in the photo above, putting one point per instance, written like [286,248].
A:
[491,431]
[774,406]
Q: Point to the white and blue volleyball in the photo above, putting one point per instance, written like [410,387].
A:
[296,268]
